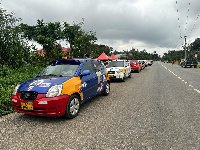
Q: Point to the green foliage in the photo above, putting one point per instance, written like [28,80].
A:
[9,78]
[13,50]
[195,46]
[80,41]
[99,49]
[178,55]
[45,34]
[139,55]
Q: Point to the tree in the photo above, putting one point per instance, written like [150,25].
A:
[99,49]
[14,52]
[195,46]
[80,42]
[47,35]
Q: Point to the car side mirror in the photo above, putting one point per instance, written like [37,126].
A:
[85,73]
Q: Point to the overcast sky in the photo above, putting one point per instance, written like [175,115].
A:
[152,25]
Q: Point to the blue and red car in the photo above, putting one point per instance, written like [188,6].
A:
[61,88]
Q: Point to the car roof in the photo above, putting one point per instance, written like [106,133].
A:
[118,60]
[74,61]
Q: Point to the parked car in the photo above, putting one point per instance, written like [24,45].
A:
[189,62]
[142,64]
[61,88]
[135,66]
[145,62]
[182,60]
[149,62]
[119,69]
[166,61]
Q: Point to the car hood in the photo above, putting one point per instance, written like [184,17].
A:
[40,85]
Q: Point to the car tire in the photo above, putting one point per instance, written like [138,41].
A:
[106,90]
[195,66]
[129,75]
[73,107]
[138,71]
[124,78]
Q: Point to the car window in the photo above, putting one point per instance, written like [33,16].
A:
[116,64]
[97,65]
[59,70]
[88,66]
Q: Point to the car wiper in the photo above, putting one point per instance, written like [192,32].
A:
[49,75]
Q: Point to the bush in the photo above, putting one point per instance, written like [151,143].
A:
[9,78]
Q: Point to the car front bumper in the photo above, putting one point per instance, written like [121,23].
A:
[42,105]
[134,68]
[116,76]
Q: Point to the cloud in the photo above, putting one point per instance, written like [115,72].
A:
[142,24]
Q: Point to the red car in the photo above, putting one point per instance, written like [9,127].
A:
[135,66]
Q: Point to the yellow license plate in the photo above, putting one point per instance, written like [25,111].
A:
[110,75]
[27,105]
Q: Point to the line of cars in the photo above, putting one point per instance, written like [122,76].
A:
[60,88]
[138,65]
[121,69]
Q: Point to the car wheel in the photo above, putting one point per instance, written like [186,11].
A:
[73,107]
[106,90]
[124,78]
[129,75]
[138,71]
[195,66]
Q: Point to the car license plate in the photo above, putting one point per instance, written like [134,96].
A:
[110,75]
[27,105]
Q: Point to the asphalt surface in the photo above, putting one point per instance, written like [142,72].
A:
[156,109]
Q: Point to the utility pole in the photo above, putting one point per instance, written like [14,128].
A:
[185,47]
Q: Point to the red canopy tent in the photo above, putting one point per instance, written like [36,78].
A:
[113,57]
[103,56]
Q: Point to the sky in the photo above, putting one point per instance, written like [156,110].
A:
[153,25]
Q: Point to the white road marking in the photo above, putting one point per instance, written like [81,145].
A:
[198,91]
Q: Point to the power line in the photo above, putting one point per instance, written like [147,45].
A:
[194,23]
[186,22]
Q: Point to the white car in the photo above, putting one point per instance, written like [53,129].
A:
[119,69]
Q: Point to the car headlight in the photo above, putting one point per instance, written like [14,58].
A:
[15,90]
[55,91]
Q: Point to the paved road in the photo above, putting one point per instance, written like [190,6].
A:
[153,110]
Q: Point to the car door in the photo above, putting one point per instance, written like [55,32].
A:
[101,74]
[89,82]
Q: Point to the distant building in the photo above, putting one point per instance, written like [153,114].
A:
[64,51]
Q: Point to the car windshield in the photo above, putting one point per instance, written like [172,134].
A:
[191,59]
[61,70]
[133,62]
[115,64]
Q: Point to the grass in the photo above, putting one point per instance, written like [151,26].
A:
[9,78]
